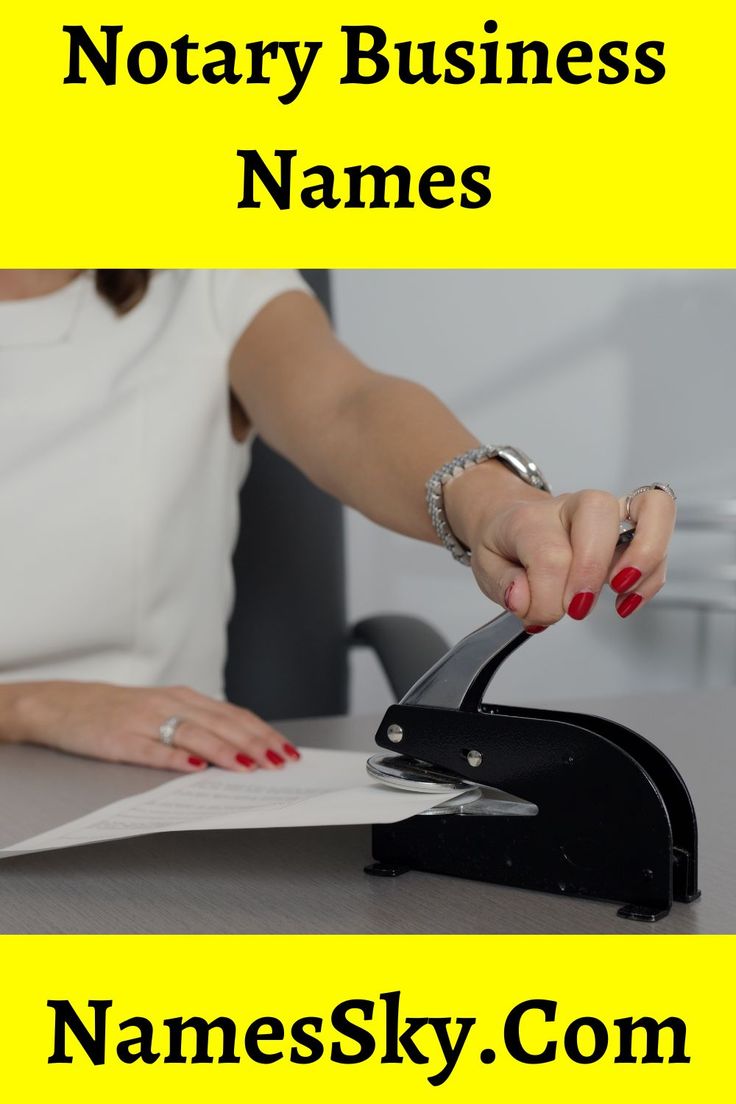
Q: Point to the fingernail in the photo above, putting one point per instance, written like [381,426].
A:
[507,596]
[275,758]
[626,579]
[581,605]
[245,760]
[291,751]
[535,628]
[628,604]
[195,761]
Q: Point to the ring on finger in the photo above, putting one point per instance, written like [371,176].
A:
[167,731]
[642,490]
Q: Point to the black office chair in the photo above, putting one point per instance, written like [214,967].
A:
[288,636]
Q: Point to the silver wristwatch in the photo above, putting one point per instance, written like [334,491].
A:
[514,459]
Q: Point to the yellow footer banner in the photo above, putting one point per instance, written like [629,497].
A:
[150,1018]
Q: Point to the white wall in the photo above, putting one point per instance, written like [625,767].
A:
[608,379]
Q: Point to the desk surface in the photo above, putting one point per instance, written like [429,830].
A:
[312,880]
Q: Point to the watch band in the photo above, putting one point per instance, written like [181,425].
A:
[514,459]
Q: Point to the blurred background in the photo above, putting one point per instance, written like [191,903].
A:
[608,379]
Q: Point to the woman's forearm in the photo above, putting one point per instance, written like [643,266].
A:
[370,439]
[9,727]
[374,440]
[392,435]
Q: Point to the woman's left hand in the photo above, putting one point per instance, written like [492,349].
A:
[544,556]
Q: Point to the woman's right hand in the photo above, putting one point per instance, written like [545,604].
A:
[121,724]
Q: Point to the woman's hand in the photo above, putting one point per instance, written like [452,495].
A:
[121,724]
[542,556]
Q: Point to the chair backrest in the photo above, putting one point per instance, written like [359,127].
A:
[287,638]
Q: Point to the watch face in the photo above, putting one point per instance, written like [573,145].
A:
[523,466]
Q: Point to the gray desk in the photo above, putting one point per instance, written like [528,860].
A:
[311,880]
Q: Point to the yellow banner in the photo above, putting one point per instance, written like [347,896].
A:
[358,1018]
[371,134]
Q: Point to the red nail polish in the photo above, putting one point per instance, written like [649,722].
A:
[275,758]
[245,760]
[626,579]
[291,751]
[195,761]
[535,628]
[581,605]
[628,604]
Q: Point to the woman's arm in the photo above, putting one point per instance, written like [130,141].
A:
[373,440]
[368,438]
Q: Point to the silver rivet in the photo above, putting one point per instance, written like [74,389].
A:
[395,733]
[474,758]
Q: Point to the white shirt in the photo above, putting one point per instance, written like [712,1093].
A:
[119,479]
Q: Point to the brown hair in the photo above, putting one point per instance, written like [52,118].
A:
[122,288]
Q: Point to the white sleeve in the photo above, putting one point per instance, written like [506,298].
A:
[238,294]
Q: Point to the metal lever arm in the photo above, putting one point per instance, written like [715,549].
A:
[459,679]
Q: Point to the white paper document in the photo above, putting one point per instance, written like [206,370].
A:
[323,787]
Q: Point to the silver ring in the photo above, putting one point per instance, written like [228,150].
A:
[648,487]
[167,731]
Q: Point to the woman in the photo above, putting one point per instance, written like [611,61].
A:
[127,398]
